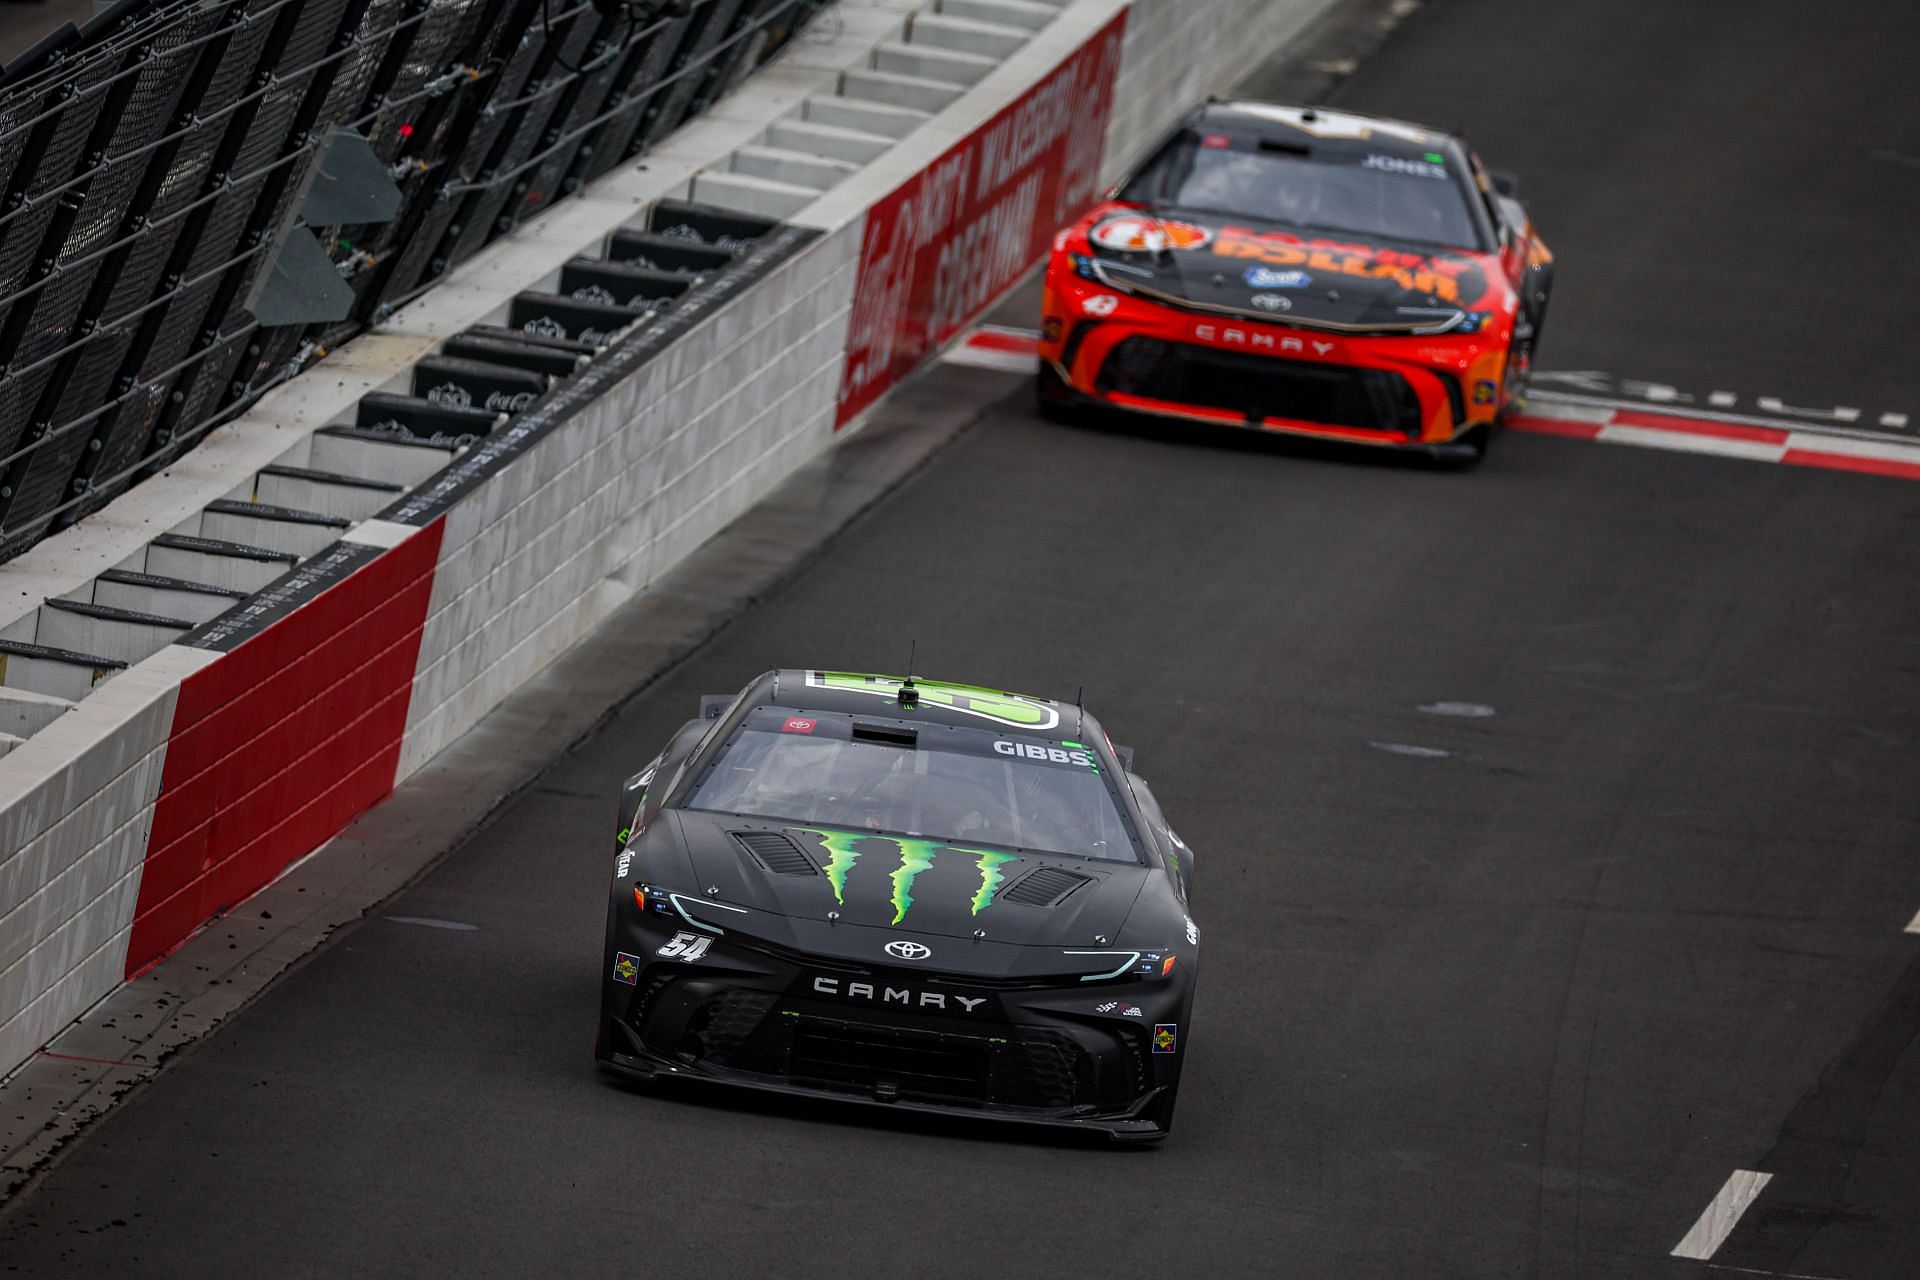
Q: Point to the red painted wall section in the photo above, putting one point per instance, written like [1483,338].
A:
[281,743]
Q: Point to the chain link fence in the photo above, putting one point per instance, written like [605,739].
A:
[147,162]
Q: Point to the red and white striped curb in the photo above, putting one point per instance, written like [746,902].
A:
[1591,418]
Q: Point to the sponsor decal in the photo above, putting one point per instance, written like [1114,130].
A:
[1193,933]
[1268,278]
[972,222]
[1428,168]
[1485,392]
[900,949]
[987,704]
[623,863]
[1144,233]
[544,327]
[843,852]
[1039,751]
[596,293]
[1272,302]
[451,394]
[685,947]
[1101,304]
[1166,1037]
[1253,339]
[1051,330]
[797,724]
[501,402]
[1444,276]
[1119,1009]
[1216,141]
[626,968]
[880,993]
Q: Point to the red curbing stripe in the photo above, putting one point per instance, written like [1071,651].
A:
[1849,462]
[1557,427]
[1020,344]
[1699,427]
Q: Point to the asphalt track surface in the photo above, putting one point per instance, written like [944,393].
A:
[1514,1010]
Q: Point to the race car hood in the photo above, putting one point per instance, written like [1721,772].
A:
[913,885]
[1271,272]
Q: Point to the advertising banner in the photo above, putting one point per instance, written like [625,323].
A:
[953,237]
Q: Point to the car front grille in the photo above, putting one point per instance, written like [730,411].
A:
[1026,1067]
[1262,386]
[997,1064]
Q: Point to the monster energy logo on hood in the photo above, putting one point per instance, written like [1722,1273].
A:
[915,856]
[988,704]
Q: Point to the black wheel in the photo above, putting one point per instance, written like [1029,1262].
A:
[1526,340]
[1053,397]
[1470,448]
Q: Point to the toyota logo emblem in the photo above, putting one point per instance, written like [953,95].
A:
[908,950]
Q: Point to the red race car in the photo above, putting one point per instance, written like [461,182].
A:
[1305,271]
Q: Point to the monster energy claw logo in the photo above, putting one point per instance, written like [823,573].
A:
[988,704]
[915,856]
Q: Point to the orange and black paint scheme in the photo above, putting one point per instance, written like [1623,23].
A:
[1254,309]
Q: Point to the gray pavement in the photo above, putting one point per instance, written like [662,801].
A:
[1518,1009]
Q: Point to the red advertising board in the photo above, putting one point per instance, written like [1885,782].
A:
[961,231]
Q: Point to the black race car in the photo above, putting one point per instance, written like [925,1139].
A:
[902,892]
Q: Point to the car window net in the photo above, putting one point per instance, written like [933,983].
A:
[958,786]
[1357,192]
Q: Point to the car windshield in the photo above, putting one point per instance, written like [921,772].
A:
[1345,188]
[927,781]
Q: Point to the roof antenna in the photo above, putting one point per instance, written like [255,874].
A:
[909,692]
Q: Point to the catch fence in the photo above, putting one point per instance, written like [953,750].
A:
[153,163]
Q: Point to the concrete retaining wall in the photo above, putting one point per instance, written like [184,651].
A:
[187,782]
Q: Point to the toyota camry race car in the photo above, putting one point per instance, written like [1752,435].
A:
[1304,271]
[923,895]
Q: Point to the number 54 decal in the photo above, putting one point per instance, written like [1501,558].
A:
[686,946]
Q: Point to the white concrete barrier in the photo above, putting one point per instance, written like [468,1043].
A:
[273,725]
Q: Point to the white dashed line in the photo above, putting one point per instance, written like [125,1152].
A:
[1407,749]
[1719,1218]
[1913,925]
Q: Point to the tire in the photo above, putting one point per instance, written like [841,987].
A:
[1053,399]
[1478,439]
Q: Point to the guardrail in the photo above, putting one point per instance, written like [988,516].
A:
[153,164]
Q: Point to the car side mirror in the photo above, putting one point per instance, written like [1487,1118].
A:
[712,704]
[1506,184]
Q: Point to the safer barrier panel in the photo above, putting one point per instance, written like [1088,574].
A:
[966,228]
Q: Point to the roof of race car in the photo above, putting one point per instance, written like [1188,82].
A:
[858,693]
[1392,136]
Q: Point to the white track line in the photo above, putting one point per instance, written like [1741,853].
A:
[987,358]
[1717,1220]
[1686,442]
[1913,925]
